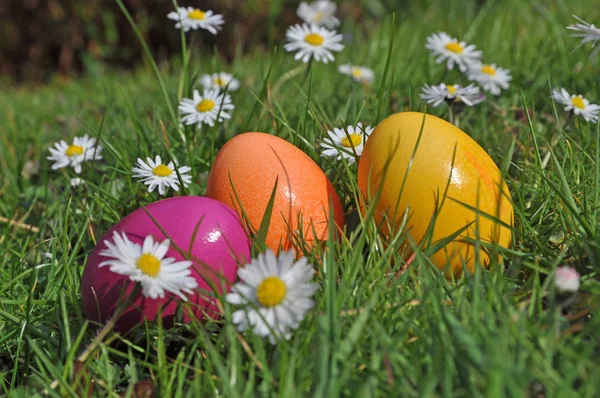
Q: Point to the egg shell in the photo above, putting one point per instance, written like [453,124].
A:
[220,245]
[249,165]
[471,178]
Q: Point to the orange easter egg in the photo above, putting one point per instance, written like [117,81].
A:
[244,175]
[448,161]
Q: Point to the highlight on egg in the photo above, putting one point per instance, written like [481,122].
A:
[245,173]
[208,231]
[414,163]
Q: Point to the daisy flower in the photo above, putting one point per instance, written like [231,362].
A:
[147,264]
[82,149]
[360,74]
[157,174]
[313,42]
[206,108]
[566,279]
[190,18]
[220,81]
[319,13]
[490,77]
[435,95]
[588,32]
[576,104]
[449,49]
[276,294]
[340,142]
[75,182]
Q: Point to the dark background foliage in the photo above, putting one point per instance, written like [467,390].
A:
[41,38]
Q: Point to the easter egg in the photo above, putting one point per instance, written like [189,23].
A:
[411,160]
[244,175]
[207,230]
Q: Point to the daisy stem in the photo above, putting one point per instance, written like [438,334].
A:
[161,82]
[212,144]
[216,128]
[456,108]
[568,121]
[184,60]
[308,68]
[182,78]
[451,113]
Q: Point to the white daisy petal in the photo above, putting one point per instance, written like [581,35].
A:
[189,18]
[240,318]
[449,49]
[588,33]
[207,108]
[320,12]
[220,81]
[148,243]
[248,275]
[436,95]
[146,265]
[235,299]
[271,263]
[297,275]
[286,261]
[577,104]
[490,77]
[162,249]
[156,174]
[360,74]
[269,300]
[257,319]
[313,41]
[246,293]
[83,149]
[344,143]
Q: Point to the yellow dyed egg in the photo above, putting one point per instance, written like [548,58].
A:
[444,160]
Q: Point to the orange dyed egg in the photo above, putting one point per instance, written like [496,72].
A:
[244,174]
[468,176]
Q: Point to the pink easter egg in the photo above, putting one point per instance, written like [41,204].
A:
[218,242]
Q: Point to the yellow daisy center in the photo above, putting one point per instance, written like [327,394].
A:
[352,141]
[196,14]
[162,171]
[74,150]
[488,70]
[219,82]
[356,72]
[271,291]
[314,39]
[318,16]
[455,48]
[578,102]
[205,105]
[451,89]
[148,264]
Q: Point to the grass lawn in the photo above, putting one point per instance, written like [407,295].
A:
[501,331]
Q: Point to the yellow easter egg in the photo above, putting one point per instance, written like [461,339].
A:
[418,163]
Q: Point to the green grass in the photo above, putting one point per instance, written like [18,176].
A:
[495,333]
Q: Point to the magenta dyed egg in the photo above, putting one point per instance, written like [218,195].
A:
[218,242]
